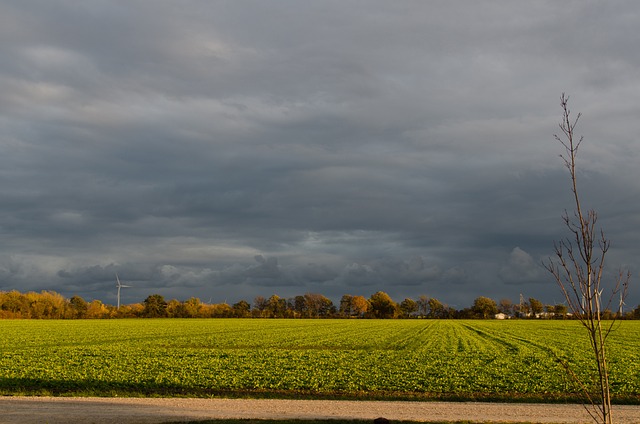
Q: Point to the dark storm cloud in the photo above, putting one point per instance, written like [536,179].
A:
[226,150]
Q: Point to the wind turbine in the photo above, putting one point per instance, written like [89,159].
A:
[622,304]
[119,285]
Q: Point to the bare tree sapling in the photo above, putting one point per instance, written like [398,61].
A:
[578,270]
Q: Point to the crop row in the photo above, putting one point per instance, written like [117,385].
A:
[437,358]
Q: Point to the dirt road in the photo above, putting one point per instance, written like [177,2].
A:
[31,410]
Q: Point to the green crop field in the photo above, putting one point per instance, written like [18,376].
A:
[404,359]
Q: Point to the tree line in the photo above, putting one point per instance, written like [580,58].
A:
[52,305]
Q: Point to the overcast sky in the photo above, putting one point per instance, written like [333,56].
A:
[230,149]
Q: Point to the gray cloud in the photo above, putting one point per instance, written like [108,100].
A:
[404,147]
[521,268]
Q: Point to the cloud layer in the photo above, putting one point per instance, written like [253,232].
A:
[227,150]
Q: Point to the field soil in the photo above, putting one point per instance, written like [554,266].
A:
[58,410]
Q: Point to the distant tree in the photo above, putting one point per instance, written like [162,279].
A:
[608,314]
[241,309]
[536,306]
[299,306]
[133,310]
[318,305]
[290,311]
[220,310]
[45,305]
[207,310]
[192,307]
[466,313]
[560,310]
[259,306]
[155,306]
[78,307]
[436,308]
[14,304]
[175,309]
[408,307]
[449,312]
[353,306]
[505,306]
[382,306]
[275,306]
[96,309]
[423,305]
[345,308]
[359,306]
[55,304]
[484,307]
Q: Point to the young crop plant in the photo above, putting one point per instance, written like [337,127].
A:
[578,269]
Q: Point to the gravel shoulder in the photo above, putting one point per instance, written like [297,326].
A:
[58,410]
